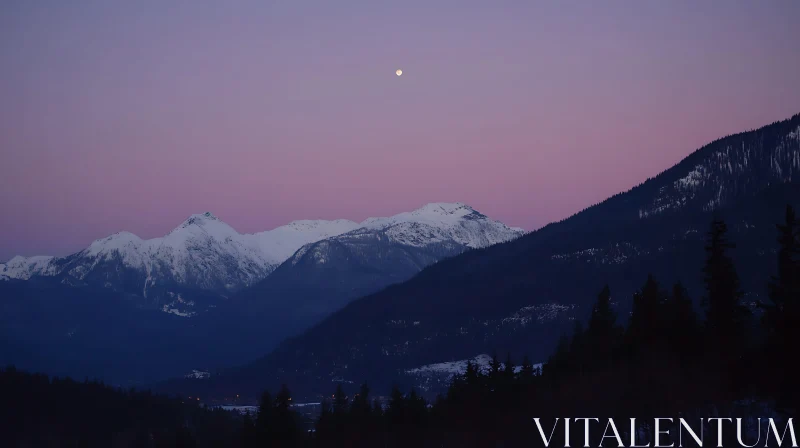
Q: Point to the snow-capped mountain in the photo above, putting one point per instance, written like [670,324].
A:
[452,227]
[201,254]
[442,222]
[203,259]
[324,275]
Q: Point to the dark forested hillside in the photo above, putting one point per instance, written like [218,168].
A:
[523,295]
[39,411]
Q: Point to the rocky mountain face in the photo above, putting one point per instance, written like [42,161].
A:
[521,296]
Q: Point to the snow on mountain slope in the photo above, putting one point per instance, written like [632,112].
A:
[450,227]
[324,276]
[201,238]
[283,241]
[203,253]
[716,174]
[437,222]
[25,267]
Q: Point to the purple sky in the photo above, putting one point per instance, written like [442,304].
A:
[134,115]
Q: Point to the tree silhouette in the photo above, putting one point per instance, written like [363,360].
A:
[725,313]
[782,315]
[646,324]
[284,429]
[681,327]
[264,417]
[603,333]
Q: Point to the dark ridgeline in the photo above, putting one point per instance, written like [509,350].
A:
[665,362]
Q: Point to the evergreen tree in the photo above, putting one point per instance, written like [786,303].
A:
[784,288]
[249,434]
[578,348]
[646,324]
[325,426]
[284,430]
[782,315]
[361,416]
[340,401]
[360,408]
[377,408]
[416,409]
[725,314]
[603,333]
[395,414]
[494,368]
[526,372]
[680,324]
[264,417]
[558,363]
[472,374]
[603,319]
[508,370]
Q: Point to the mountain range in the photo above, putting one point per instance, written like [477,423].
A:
[202,254]
[220,288]
[521,296]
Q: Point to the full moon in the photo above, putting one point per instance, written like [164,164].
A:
[399,72]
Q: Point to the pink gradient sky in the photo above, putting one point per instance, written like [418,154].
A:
[133,116]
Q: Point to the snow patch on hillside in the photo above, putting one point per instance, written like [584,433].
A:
[441,374]
[198,375]
[538,313]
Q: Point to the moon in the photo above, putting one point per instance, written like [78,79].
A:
[398,72]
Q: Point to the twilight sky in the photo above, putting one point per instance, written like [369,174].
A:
[133,115]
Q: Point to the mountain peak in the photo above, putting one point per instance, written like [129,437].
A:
[445,208]
[438,214]
[199,219]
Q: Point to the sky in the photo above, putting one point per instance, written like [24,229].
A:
[134,115]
